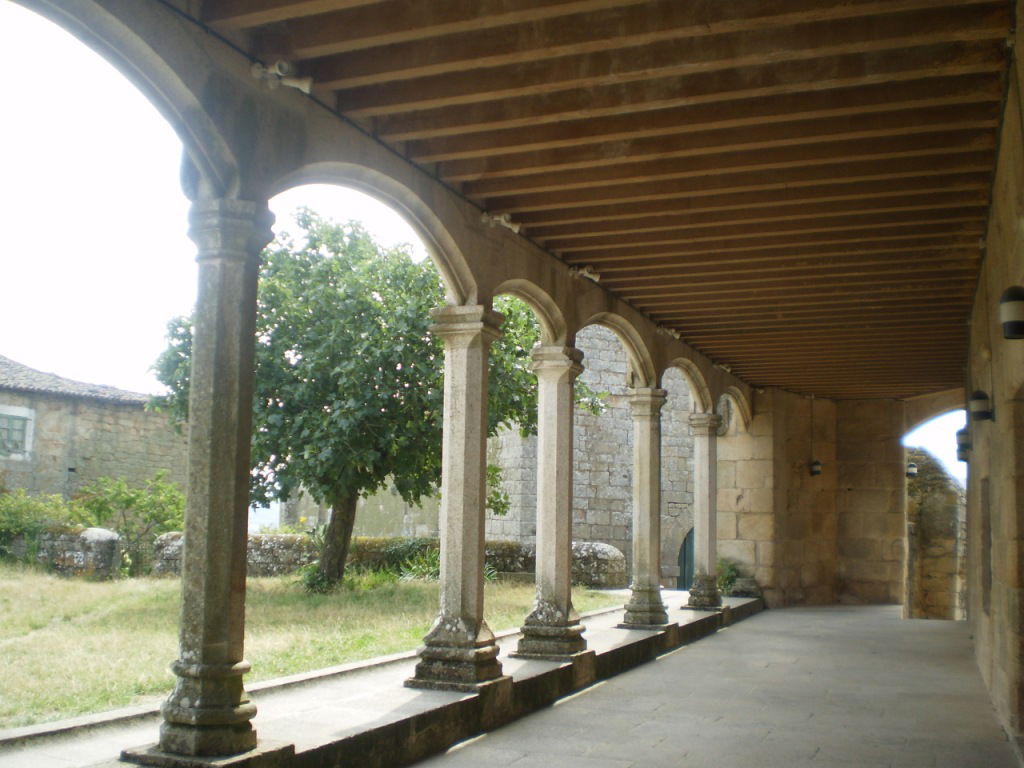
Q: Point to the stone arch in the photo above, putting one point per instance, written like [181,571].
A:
[448,257]
[919,410]
[642,370]
[154,57]
[741,406]
[552,322]
[703,402]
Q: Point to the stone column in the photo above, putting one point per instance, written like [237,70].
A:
[460,652]
[208,712]
[553,629]
[645,608]
[704,592]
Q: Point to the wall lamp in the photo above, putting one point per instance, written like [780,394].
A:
[980,407]
[1011,312]
[963,444]
[815,468]
[911,469]
[281,72]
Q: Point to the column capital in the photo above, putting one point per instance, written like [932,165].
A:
[230,229]
[554,357]
[706,424]
[468,321]
[646,401]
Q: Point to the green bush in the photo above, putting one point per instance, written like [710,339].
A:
[425,565]
[137,514]
[22,515]
[728,572]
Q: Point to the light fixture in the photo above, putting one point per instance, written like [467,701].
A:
[500,219]
[911,469]
[1011,312]
[281,72]
[980,407]
[815,465]
[963,444]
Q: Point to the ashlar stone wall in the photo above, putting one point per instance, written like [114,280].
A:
[77,440]
[996,461]
[603,456]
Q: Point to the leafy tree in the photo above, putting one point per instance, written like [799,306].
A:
[349,378]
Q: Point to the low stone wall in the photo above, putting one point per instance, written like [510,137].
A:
[270,554]
[594,564]
[93,553]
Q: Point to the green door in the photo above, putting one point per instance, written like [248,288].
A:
[686,562]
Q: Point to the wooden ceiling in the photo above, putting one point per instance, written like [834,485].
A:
[799,188]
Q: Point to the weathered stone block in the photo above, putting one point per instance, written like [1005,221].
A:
[756,527]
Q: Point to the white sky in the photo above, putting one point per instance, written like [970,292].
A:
[95,258]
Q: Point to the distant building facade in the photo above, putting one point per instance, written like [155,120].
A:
[57,435]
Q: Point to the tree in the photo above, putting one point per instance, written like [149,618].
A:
[349,378]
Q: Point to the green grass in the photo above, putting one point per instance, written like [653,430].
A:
[69,647]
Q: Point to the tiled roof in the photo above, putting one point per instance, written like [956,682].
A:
[21,378]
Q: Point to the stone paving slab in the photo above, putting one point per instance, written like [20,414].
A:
[318,712]
[829,687]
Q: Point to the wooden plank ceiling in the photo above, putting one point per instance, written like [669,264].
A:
[799,188]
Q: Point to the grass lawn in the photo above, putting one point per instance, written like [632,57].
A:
[68,647]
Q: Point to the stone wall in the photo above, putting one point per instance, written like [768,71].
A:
[77,440]
[269,554]
[746,522]
[935,507]
[872,501]
[92,553]
[996,468]
[603,456]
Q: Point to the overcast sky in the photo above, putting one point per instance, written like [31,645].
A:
[95,256]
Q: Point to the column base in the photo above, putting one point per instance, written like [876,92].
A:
[704,593]
[454,659]
[550,643]
[645,609]
[203,741]
[266,755]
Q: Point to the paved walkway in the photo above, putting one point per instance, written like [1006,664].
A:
[831,687]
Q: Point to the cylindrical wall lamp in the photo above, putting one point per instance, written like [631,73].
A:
[815,467]
[911,469]
[1011,312]
[963,444]
[980,407]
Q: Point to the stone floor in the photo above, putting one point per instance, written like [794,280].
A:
[831,686]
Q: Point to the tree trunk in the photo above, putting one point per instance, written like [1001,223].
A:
[338,538]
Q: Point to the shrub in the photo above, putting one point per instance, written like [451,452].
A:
[728,572]
[28,517]
[425,565]
[138,515]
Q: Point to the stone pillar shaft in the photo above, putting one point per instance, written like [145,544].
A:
[645,607]
[704,593]
[553,629]
[460,652]
[208,712]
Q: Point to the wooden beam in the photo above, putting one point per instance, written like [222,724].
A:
[695,232]
[721,163]
[926,91]
[474,72]
[921,166]
[755,81]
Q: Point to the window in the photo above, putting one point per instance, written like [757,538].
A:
[15,432]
